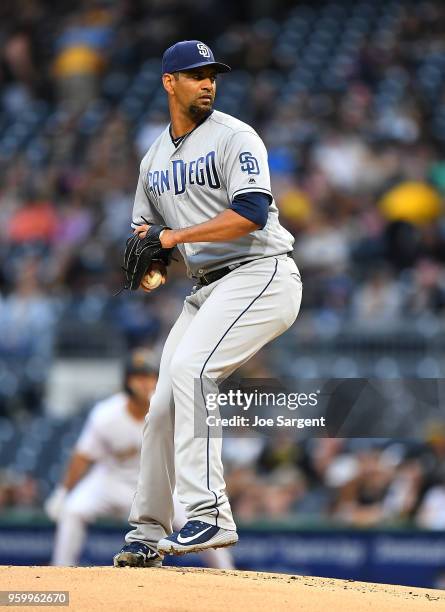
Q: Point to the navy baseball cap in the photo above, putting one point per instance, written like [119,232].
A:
[189,54]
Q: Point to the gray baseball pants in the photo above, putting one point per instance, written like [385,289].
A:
[221,327]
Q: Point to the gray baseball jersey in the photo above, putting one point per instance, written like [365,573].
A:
[195,181]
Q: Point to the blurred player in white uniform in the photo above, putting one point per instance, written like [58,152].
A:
[101,477]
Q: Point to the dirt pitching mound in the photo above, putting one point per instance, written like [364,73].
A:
[188,589]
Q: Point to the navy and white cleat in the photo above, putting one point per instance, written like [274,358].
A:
[137,554]
[196,536]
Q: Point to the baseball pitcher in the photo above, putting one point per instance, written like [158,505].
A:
[203,187]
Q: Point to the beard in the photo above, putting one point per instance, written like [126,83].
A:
[198,113]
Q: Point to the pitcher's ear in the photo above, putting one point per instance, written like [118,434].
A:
[167,81]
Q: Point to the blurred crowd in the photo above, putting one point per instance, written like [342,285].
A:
[354,482]
[349,99]
[18,491]
[360,482]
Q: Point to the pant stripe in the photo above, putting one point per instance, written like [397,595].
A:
[214,506]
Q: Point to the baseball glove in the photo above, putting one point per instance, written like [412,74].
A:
[140,253]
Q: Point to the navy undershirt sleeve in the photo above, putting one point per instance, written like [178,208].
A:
[253,206]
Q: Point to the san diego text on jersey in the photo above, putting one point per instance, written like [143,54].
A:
[201,171]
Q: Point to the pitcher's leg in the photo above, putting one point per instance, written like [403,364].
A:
[243,312]
[151,513]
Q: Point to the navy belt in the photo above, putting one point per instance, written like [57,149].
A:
[211,277]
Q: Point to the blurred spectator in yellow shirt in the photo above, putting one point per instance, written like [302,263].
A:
[81,57]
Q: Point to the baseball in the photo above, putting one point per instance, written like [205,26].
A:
[152,280]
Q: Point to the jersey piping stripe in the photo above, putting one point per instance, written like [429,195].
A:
[251,190]
[201,383]
[235,130]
